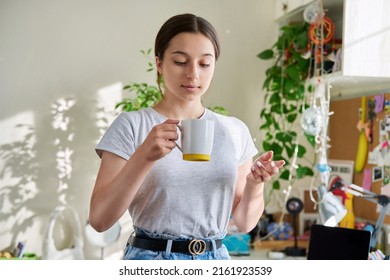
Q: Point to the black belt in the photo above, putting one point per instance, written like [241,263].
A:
[193,247]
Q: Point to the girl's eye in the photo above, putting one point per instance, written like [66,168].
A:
[180,63]
[204,65]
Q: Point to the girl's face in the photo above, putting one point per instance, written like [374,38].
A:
[188,66]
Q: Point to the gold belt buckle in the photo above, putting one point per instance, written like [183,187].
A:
[197,246]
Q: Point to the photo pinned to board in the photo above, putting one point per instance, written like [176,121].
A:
[380,155]
[377,173]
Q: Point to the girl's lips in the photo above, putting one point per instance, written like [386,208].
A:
[190,87]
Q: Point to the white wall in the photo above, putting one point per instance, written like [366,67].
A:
[52,49]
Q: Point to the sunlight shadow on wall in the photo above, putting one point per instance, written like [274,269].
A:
[63,123]
[107,98]
[18,174]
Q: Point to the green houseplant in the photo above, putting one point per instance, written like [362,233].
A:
[147,95]
[284,99]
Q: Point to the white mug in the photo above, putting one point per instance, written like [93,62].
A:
[197,137]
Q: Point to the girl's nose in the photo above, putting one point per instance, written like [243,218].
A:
[192,72]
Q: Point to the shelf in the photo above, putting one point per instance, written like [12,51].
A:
[279,244]
[363,28]
[344,87]
[293,12]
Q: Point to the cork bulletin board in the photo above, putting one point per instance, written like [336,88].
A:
[344,138]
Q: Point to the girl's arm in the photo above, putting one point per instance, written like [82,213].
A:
[249,194]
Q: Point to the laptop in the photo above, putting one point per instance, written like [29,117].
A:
[336,243]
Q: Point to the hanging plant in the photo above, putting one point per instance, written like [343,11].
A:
[284,99]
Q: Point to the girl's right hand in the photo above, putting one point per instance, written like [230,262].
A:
[160,141]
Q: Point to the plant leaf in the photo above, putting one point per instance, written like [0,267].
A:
[276,185]
[303,171]
[267,54]
[285,174]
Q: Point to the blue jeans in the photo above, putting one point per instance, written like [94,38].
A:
[134,253]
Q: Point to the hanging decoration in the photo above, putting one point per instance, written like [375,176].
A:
[324,27]
[315,118]
[313,13]
[311,121]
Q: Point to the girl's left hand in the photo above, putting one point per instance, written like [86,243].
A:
[263,168]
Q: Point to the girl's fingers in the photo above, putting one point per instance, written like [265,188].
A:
[257,176]
[268,166]
[259,172]
[280,163]
[264,167]
[256,169]
[266,156]
[265,170]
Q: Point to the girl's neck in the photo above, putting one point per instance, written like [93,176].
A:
[189,110]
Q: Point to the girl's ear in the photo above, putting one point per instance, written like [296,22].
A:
[158,65]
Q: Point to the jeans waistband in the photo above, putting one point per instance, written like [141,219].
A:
[192,247]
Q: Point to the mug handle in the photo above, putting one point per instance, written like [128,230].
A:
[177,145]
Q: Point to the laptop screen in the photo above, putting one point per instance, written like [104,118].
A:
[336,243]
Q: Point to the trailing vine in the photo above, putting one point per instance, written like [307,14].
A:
[284,99]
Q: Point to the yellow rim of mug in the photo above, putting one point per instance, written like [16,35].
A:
[196,157]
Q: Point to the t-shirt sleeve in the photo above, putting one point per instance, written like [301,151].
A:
[119,138]
[244,148]
[247,148]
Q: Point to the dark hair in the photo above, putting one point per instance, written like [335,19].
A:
[179,24]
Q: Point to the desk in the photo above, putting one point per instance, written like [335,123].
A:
[262,254]
[261,249]
[279,244]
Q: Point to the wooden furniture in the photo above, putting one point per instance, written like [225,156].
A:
[278,244]
[286,8]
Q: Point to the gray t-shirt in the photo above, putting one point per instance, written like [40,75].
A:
[183,198]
